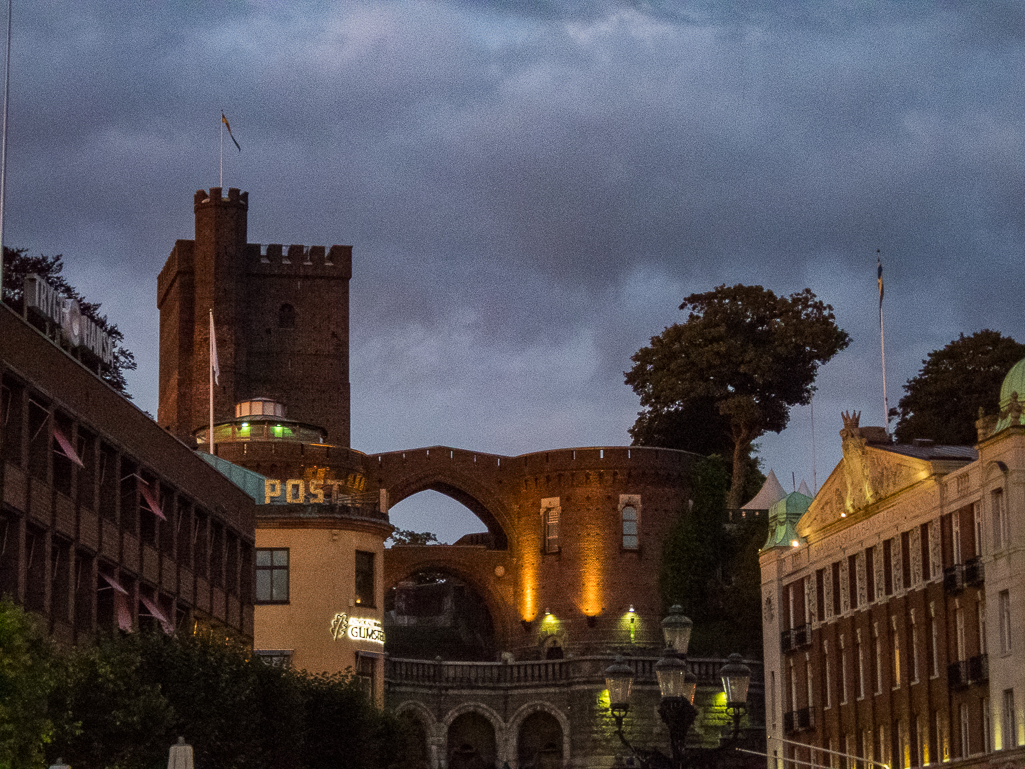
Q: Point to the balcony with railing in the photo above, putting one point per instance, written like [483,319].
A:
[974,572]
[507,675]
[795,638]
[964,673]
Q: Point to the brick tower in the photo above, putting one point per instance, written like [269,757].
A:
[281,316]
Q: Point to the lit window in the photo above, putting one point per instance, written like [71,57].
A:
[271,575]
[364,579]
[550,524]
[630,527]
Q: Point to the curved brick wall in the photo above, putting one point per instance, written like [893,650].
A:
[589,585]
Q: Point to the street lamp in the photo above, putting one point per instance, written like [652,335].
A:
[677,686]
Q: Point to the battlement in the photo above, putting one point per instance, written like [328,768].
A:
[309,261]
[203,198]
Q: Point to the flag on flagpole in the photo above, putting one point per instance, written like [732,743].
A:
[879,278]
[214,363]
[228,126]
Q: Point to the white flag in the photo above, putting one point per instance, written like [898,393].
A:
[214,364]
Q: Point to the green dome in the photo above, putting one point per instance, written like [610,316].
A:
[1014,382]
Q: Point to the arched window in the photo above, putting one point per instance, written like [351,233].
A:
[286,316]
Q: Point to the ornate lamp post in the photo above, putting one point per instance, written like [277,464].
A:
[677,686]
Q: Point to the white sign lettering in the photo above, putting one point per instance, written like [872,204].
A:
[364,629]
[79,330]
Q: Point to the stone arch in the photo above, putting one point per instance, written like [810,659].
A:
[470,714]
[523,713]
[424,753]
[435,558]
[454,473]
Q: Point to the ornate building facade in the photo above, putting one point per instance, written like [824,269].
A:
[893,603]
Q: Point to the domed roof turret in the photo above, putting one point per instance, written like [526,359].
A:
[1014,382]
[1012,393]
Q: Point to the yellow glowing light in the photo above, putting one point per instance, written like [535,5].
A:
[794,543]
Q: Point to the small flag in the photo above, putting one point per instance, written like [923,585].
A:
[879,278]
[228,126]
[214,364]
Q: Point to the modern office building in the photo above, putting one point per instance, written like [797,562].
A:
[893,603]
[107,521]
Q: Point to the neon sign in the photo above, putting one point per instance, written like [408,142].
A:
[357,628]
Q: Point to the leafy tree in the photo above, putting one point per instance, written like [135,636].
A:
[743,357]
[409,537]
[18,265]
[27,675]
[943,401]
[709,566]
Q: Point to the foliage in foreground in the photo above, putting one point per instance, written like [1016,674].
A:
[710,568]
[123,701]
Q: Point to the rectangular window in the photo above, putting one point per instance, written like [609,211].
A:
[364,579]
[923,537]
[271,575]
[1000,534]
[629,518]
[275,658]
[934,649]
[820,593]
[987,729]
[959,636]
[1005,621]
[826,682]
[895,682]
[977,518]
[861,666]
[843,672]
[878,656]
[870,582]
[1010,739]
[836,588]
[888,567]
[905,559]
[914,649]
[955,538]
[980,621]
[965,743]
[365,675]
[852,579]
[550,524]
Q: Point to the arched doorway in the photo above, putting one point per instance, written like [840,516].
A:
[539,742]
[433,613]
[414,749]
[471,742]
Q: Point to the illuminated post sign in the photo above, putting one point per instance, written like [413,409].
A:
[79,330]
[363,629]
[296,491]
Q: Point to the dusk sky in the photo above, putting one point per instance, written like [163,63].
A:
[531,189]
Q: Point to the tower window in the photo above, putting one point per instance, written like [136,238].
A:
[629,528]
[286,316]
[365,578]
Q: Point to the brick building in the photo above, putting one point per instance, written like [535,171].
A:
[106,520]
[566,569]
[893,603]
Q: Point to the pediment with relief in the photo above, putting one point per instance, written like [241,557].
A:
[867,474]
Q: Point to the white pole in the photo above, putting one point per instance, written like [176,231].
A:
[222,150]
[882,346]
[3,144]
[814,470]
[213,366]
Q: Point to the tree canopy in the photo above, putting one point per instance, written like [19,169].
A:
[742,359]
[18,265]
[709,566]
[943,401]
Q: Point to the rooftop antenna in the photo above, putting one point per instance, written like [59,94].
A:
[3,143]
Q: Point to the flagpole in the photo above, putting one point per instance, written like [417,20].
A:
[3,144]
[213,359]
[222,153]
[882,344]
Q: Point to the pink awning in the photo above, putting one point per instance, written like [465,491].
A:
[114,584]
[124,613]
[151,500]
[158,615]
[66,447]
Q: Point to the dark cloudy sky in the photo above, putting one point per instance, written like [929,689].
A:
[530,189]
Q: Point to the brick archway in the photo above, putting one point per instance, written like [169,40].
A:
[589,579]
